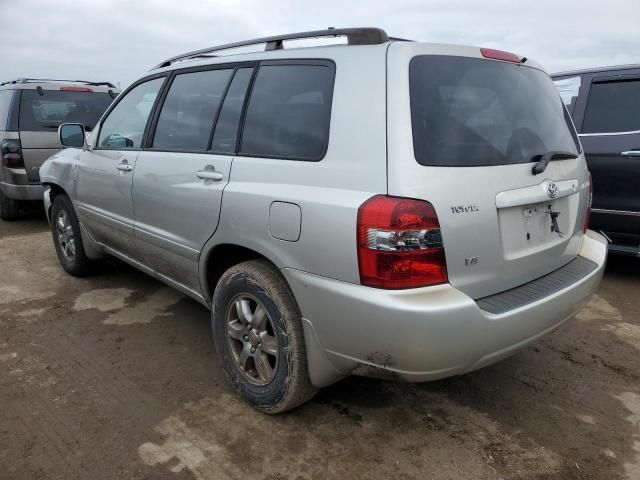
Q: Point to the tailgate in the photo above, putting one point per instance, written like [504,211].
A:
[36,148]
[464,134]
[43,110]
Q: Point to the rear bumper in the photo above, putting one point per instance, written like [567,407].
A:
[428,333]
[21,192]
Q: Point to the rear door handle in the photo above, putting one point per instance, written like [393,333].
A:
[124,166]
[631,153]
[209,173]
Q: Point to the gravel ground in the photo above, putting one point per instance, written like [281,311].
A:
[115,376]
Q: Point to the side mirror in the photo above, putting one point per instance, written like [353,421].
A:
[72,135]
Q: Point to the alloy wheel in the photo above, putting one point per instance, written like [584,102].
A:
[252,339]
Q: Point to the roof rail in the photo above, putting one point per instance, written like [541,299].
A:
[42,80]
[355,36]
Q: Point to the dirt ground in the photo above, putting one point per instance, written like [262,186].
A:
[115,376]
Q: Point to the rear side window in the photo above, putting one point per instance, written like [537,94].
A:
[289,112]
[189,110]
[46,112]
[5,106]
[613,107]
[475,112]
[224,138]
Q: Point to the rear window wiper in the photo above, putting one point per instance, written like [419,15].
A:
[543,160]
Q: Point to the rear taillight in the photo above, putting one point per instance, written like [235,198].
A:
[11,153]
[501,55]
[587,216]
[399,244]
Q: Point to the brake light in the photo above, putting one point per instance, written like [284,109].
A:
[587,216]
[399,244]
[11,153]
[501,55]
[76,89]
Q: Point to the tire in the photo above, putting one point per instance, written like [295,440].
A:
[9,208]
[239,326]
[67,238]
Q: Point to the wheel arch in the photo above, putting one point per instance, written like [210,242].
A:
[54,191]
[219,258]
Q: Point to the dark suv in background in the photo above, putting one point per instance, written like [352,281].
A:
[31,110]
[605,105]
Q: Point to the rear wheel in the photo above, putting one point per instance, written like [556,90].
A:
[67,239]
[258,334]
[9,208]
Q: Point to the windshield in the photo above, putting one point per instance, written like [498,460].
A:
[473,112]
[54,107]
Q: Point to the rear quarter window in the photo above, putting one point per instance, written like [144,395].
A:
[289,112]
[477,112]
[6,97]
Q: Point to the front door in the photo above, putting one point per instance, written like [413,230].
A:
[610,135]
[104,172]
[180,178]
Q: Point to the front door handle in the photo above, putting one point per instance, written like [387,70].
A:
[124,166]
[631,153]
[209,173]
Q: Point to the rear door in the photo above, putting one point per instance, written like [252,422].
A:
[42,111]
[180,176]
[464,133]
[609,124]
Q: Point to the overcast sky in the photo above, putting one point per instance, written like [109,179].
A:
[118,40]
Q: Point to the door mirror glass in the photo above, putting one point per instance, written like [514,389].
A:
[72,135]
[115,140]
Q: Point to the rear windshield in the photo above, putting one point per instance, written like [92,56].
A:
[48,111]
[474,112]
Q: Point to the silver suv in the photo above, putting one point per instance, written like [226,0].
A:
[383,208]
[31,110]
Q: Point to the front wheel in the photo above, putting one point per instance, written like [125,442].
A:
[67,239]
[258,333]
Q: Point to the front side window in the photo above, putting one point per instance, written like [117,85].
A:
[289,112]
[46,110]
[124,126]
[189,110]
[613,107]
[473,112]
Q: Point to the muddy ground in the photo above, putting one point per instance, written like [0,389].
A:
[115,376]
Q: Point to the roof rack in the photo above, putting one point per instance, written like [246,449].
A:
[42,80]
[355,36]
